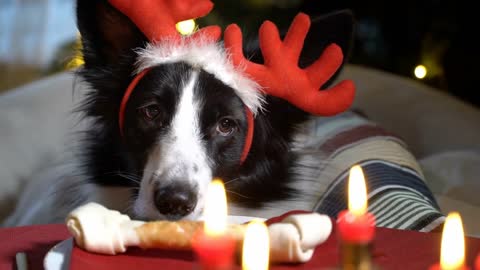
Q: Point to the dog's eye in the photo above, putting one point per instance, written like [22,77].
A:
[226,126]
[150,112]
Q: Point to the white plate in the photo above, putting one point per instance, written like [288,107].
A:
[58,257]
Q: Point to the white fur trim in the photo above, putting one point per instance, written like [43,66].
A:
[211,57]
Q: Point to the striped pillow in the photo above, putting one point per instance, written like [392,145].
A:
[397,193]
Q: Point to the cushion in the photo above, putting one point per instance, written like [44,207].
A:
[397,192]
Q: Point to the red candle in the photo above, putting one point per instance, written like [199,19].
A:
[356,225]
[438,266]
[477,263]
[213,247]
[356,229]
[214,252]
[452,251]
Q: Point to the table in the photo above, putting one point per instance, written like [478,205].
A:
[393,249]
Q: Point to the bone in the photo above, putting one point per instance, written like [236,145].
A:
[295,238]
[100,230]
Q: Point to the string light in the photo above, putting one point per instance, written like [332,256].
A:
[186,27]
[420,71]
[77,59]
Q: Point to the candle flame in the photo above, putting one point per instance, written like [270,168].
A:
[357,192]
[215,211]
[256,246]
[452,254]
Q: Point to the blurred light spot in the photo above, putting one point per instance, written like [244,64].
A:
[75,62]
[77,59]
[420,71]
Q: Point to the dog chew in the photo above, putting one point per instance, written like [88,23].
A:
[177,235]
[100,230]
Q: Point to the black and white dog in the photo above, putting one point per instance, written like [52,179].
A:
[183,126]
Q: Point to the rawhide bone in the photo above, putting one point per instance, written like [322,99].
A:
[101,230]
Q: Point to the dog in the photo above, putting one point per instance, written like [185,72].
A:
[181,127]
[161,119]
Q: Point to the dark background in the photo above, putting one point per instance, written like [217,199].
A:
[394,36]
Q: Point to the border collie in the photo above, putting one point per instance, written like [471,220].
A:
[183,126]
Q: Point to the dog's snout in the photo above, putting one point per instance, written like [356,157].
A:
[175,200]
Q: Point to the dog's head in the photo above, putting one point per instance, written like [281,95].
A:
[168,125]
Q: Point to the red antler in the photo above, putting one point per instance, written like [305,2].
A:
[280,74]
[157,18]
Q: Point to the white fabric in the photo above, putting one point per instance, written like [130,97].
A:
[34,125]
[453,177]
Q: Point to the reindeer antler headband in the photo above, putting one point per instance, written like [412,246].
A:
[279,76]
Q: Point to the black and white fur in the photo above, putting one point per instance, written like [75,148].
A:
[185,124]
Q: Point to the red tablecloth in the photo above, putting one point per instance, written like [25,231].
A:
[35,241]
[393,249]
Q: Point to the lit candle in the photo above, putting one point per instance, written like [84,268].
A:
[256,246]
[452,251]
[214,248]
[356,227]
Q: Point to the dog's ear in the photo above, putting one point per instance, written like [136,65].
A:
[106,33]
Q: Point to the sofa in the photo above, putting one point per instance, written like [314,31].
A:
[441,131]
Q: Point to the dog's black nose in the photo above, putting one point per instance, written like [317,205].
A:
[175,200]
